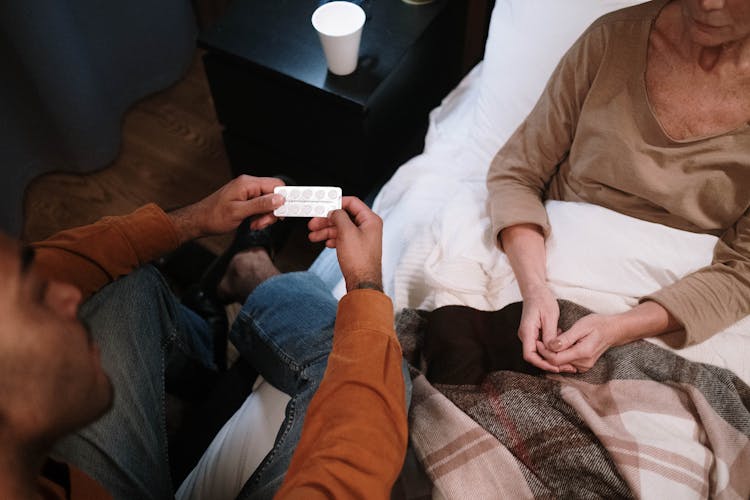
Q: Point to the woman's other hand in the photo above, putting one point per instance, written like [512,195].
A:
[539,321]
[582,345]
[524,246]
[590,337]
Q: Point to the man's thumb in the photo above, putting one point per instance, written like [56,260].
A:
[340,219]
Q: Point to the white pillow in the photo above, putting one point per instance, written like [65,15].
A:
[526,40]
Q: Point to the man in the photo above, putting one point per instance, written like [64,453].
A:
[51,381]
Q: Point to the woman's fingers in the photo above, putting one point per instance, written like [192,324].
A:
[552,357]
[530,354]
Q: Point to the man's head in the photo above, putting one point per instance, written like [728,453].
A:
[51,379]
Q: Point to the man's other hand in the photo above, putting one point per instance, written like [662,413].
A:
[356,233]
[222,211]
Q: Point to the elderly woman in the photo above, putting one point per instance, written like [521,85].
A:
[647,114]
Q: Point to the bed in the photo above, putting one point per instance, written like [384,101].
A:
[648,421]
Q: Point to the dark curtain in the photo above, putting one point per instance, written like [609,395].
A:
[69,69]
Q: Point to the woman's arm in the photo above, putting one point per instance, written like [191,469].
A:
[524,245]
[518,179]
[591,336]
[716,296]
[524,167]
[703,303]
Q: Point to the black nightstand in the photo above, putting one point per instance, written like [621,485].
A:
[283,112]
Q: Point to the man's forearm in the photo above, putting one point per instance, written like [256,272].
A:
[355,433]
[183,220]
[91,256]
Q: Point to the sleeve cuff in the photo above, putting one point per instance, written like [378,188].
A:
[698,326]
[365,309]
[149,231]
[510,214]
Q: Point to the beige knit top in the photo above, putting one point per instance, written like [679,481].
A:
[593,137]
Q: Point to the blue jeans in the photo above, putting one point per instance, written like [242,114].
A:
[140,328]
[285,330]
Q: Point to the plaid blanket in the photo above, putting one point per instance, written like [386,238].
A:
[643,422]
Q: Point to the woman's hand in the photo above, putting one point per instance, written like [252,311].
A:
[524,246]
[582,345]
[539,321]
[590,337]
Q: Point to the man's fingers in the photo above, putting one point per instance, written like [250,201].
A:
[262,185]
[267,184]
[327,233]
[318,223]
[321,229]
[263,221]
[261,204]
[247,187]
[353,205]
[359,211]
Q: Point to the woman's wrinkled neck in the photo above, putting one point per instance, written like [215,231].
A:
[734,54]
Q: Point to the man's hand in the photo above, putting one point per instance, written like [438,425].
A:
[222,211]
[356,233]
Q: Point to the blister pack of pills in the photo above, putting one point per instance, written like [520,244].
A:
[308,201]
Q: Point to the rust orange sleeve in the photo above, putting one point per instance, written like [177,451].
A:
[92,256]
[355,433]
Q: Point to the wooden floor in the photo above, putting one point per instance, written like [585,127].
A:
[172,154]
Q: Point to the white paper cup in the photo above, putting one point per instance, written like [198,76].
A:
[339,25]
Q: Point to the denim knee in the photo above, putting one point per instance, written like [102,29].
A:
[285,327]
